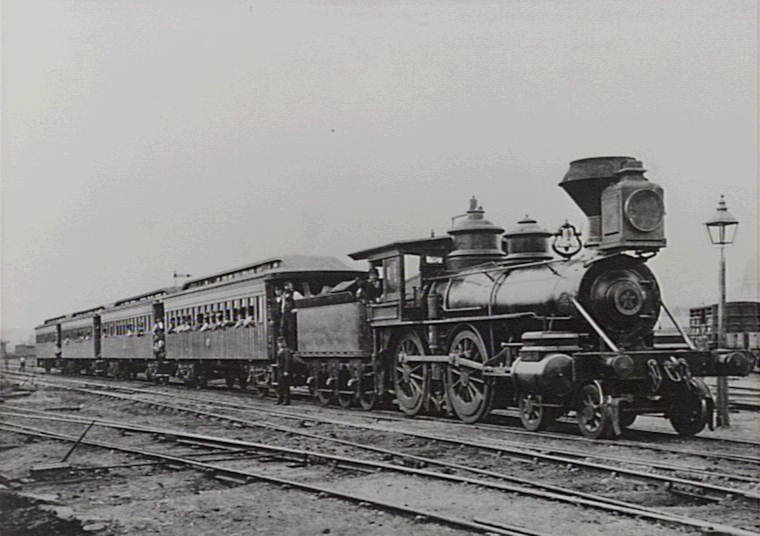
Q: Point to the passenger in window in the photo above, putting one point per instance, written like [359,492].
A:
[206,323]
[292,291]
[250,318]
[239,318]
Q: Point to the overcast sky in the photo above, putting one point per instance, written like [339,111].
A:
[139,137]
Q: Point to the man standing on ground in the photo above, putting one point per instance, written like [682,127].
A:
[284,368]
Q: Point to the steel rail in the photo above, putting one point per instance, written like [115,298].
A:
[667,467]
[563,491]
[471,525]
[393,453]
[533,452]
[519,450]
[105,384]
[304,456]
[483,426]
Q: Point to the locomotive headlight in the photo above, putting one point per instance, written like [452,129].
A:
[644,210]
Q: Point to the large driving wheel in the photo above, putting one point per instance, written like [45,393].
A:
[593,418]
[533,415]
[468,391]
[410,380]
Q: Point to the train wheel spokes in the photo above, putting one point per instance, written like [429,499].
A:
[533,415]
[468,391]
[593,418]
[410,380]
[346,395]
[368,388]
[323,393]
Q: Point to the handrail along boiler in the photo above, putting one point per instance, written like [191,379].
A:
[499,321]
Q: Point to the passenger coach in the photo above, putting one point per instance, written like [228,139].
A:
[217,326]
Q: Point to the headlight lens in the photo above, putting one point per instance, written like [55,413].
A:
[644,210]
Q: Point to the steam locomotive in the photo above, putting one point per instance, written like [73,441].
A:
[474,320]
[494,320]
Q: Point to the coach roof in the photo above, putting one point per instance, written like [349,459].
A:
[273,266]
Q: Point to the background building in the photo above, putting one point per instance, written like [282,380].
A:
[742,325]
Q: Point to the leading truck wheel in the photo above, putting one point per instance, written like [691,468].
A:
[468,391]
[688,414]
[410,379]
[533,415]
[593,417]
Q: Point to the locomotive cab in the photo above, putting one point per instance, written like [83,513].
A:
[405,267]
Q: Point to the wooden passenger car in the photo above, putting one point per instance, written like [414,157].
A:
[221,325]
[80,341]
[48,341]
[127,339]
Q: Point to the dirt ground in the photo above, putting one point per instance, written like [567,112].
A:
[151,499]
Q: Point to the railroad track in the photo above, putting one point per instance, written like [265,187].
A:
[306,457]
[244,476]
[554,455]
[701,489]
[489,427]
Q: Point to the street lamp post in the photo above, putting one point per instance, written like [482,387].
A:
[721,229]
